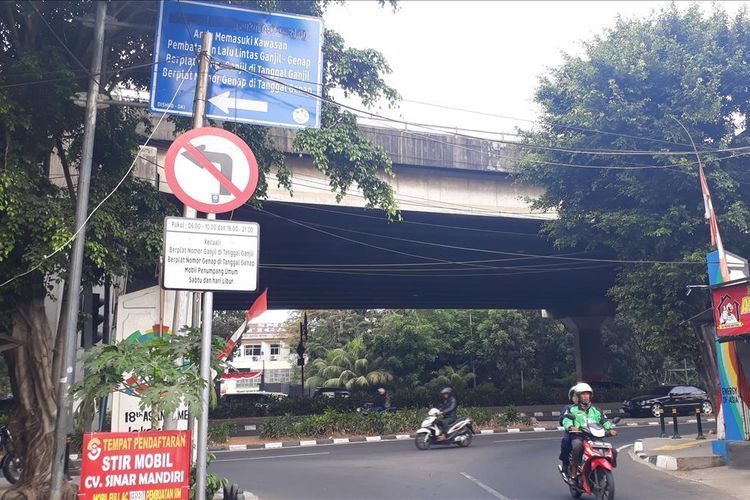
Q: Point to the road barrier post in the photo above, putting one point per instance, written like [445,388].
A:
[676,434]
[700,424]
[661,421]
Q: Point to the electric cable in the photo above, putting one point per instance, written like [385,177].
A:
[96,208]
[493,154]
[602,152]
[312,225]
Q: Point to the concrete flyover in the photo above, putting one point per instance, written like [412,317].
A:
[468,238]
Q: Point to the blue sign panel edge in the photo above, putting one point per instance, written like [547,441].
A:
[155,72]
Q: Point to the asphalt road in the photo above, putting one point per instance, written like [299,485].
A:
[504,466]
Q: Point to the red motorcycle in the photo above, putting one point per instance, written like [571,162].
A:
[595,474]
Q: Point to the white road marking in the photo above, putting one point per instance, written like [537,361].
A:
[539,429]
[274,445]
[340,440]
[401,436]
[624,446]
[310,442]
[487,431]
[237,447]
[273,456]
[486,488]
[514,430]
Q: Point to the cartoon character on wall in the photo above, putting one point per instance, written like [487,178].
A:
[728,313]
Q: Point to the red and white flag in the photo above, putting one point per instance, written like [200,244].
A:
[710,215]
[259,307]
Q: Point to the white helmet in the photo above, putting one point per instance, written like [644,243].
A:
[582,387]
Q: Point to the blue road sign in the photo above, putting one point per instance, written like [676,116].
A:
[279,56]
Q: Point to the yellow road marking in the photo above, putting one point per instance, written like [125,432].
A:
[681,446]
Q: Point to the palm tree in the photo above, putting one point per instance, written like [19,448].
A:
[449,376]
[348,367]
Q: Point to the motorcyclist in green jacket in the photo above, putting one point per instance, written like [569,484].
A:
[584,413]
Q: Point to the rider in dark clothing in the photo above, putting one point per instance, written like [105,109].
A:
[448,410]
[382,400]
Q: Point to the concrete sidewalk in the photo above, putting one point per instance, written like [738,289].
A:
[692,460]
[687,453]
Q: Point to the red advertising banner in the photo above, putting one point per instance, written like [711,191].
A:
[731,306]
[136,466]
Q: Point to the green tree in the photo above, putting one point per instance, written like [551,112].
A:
[163,384]
[407,343]
[226,322]
[510,343]
[45,50]
[448,376]
[625,94]
[329,329]
[348,367]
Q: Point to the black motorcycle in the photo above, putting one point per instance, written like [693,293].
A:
[370,408]
[10,463]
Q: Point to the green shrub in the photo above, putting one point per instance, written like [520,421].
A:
[333,422]
[220,432]
[511,416]
[214,483]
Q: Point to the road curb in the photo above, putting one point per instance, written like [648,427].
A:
[670,463]
[389,437]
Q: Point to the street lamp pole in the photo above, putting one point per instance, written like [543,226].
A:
[67,367]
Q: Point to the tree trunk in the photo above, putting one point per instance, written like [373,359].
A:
[30,366]
[708,369]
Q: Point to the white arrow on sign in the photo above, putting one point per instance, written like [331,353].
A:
[224,102]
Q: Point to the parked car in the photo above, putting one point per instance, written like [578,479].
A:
[332,392]
[684,397]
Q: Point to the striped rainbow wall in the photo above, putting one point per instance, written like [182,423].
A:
[734,393]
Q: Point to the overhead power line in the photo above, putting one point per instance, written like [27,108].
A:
[561,125]
[316,227]
[99,205]
[525,145]
[494,154]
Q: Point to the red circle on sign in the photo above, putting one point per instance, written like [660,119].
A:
[242,194]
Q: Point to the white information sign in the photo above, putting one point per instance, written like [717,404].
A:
[211,255]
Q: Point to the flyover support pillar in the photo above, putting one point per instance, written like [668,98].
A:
[592,359]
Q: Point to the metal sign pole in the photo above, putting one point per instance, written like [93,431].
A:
[67,367]
[205,366]
[199,110]
[181,299]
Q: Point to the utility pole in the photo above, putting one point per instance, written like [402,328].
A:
[183,298]
[67,367]
[199,110]
[301,355]
[474,355]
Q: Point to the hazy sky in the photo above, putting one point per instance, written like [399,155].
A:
[483,56]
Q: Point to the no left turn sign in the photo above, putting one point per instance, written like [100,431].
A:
[211,170]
